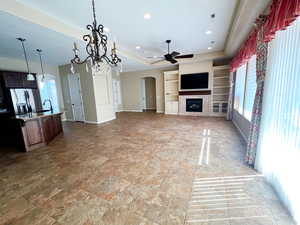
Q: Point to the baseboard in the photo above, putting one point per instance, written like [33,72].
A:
[240,131]
[125,110]
[160,112]
[107,120]
[68,120]
[92,122]
[99,122]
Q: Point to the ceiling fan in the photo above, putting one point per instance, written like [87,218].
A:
[173,56]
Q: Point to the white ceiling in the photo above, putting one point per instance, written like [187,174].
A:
[182,21]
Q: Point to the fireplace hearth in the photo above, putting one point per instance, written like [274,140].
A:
[194,105]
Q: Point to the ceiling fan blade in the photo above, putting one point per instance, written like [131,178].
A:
[173,61]
[184,56]
[158,61]
[173,54]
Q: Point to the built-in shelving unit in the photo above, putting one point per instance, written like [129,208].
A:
[221,88]
[171,82]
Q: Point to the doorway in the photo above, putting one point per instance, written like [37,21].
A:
[148,89]
[76,97]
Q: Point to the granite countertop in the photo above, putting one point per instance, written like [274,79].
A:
[32,116]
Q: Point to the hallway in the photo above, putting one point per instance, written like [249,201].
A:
[141,169]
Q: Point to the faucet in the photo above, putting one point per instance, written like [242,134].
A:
[48,100]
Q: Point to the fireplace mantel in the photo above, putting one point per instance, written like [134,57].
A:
[206,92]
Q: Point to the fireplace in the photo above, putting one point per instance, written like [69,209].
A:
[194,105]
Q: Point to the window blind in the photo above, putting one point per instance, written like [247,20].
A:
[250,88]
[278,156]
[240,88]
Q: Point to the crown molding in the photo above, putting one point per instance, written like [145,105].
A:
[36,16]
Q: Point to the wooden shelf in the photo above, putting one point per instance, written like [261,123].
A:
[224,77]
[222,94]
[226,67]
[221,86]
[170,81]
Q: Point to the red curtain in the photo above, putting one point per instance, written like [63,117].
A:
[282,14]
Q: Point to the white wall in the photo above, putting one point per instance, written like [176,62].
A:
[104,96]
[11,64]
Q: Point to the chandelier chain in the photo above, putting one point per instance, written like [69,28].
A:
[94,11]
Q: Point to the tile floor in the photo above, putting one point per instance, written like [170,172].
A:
[141,169]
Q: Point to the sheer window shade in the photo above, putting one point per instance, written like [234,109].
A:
[279,142]
[240,89]
[250,87]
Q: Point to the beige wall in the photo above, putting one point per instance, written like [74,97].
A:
[11,64]
[150,92]
[87,88]
[131,89]
[200,67]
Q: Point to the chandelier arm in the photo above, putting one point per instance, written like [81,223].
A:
[89,49]
[78,61]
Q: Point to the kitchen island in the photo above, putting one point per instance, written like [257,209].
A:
[38,129]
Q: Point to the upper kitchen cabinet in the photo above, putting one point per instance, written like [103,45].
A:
[18,80]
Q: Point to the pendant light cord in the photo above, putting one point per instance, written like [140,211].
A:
[39,51]
[26,59]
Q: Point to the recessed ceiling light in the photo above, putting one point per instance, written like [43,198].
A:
[209,48]
[147,16]
[138,47]
[106,29]
[155,56]
[208,32]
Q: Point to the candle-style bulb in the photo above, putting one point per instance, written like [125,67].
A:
[75,46]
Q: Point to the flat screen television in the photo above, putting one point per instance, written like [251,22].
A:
[194,81]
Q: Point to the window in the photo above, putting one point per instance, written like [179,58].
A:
[250,88]
[240,89]
[245,88]
[48,91]
[278,153]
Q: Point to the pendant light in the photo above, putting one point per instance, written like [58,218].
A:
[41,61]
[29,76]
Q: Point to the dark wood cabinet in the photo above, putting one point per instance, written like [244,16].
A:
[30,83]
[18,80]
[48,128]
[40,131]
[34,132]
[13,80]
[52,126]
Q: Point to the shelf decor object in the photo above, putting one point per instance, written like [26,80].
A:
[29,76]
[96,47]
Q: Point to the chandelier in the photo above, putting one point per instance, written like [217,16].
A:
[96,47]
